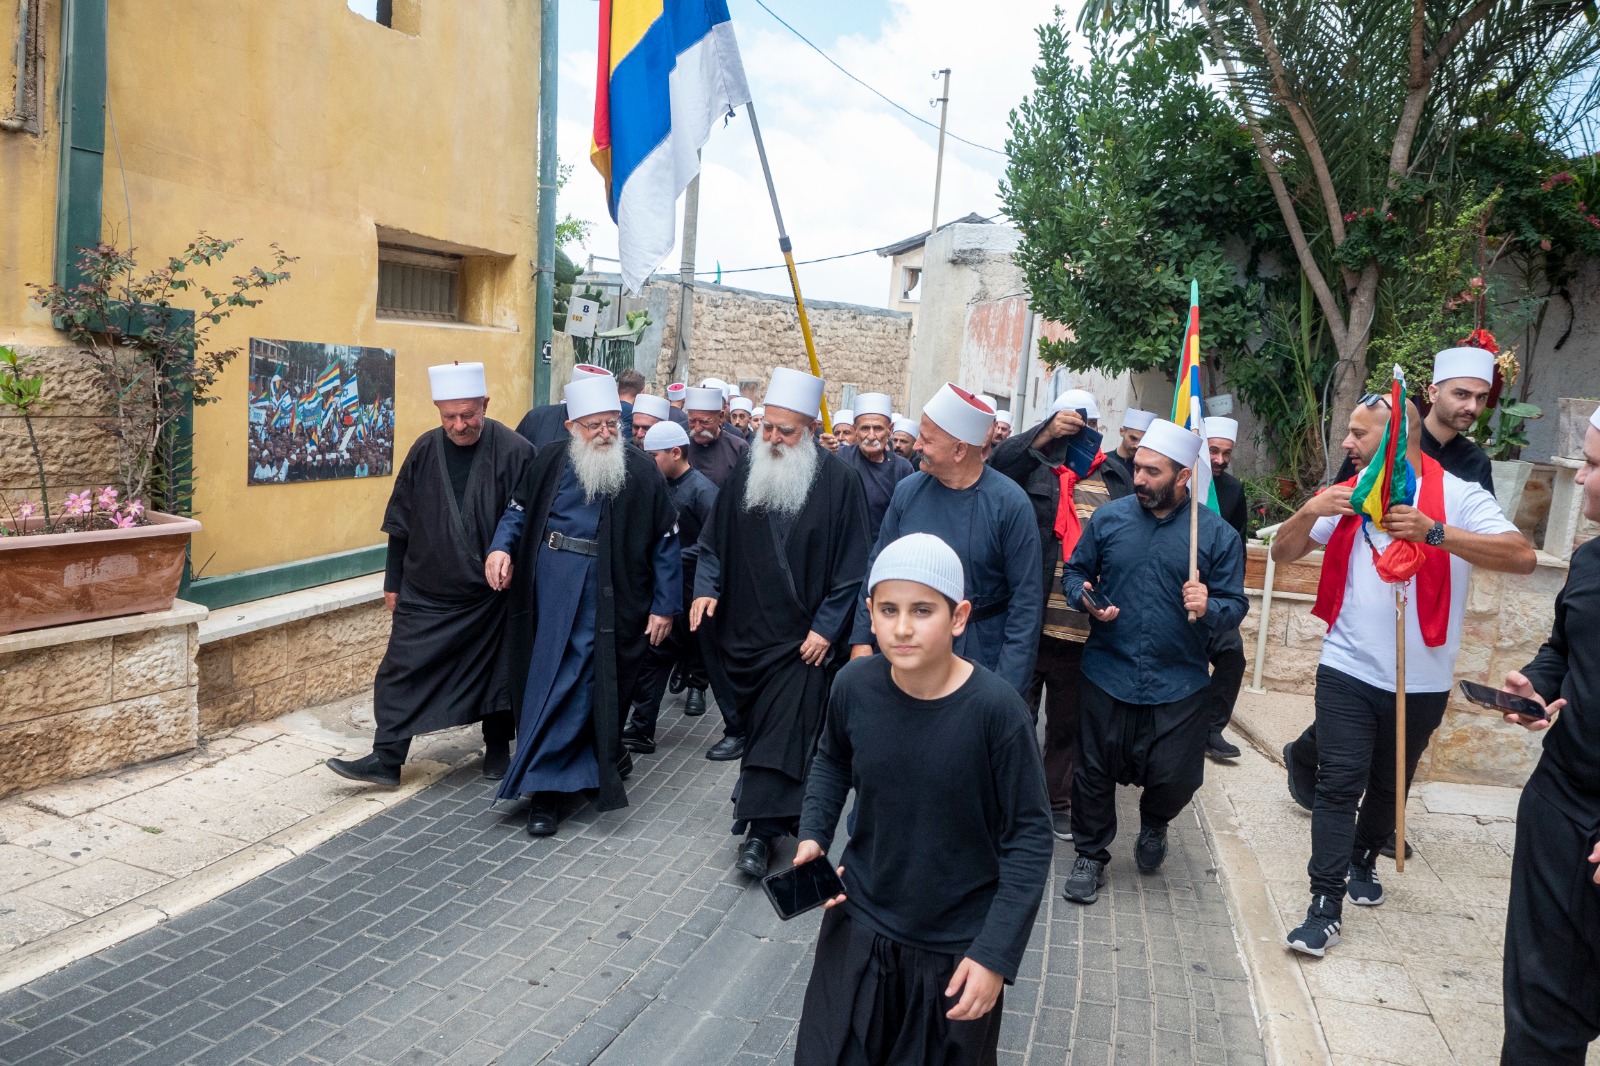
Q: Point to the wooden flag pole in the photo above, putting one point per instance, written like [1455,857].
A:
[1400,727]
[788,258]
[1194,526]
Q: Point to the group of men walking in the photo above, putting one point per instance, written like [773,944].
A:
[555,582]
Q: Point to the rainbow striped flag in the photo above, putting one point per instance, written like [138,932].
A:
[1188,404]
[668,69]
[1389,479]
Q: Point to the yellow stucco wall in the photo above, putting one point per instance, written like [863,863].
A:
[301,122]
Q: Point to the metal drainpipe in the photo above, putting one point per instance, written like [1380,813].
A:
[18,120]
[545,273]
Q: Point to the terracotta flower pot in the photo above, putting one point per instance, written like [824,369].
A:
[52,579]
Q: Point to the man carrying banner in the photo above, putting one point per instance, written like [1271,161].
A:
[1451,527]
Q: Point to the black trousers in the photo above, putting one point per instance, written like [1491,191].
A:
[681,649]
[1227,675]
[1552,965]
[1057,682]
[1354,748]
[711,655]
[499,728]
[1159,747]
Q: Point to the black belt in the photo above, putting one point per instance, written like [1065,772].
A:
[989,610]
[563,543]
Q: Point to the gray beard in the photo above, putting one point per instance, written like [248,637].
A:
[601,468]
[780,483]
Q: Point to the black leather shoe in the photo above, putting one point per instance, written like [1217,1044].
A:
[544,817]
[694,704]
[754,855]
[638,742]
[1219,748]
[368,770]
[496,761]
[727,750]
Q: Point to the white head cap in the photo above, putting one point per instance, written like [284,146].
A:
[703,399]
[758,412]
[895,416]
[1075,399]
[844,418]
[715,383]
[1172,440]
[988,401]
[1217,426]
[1594,419]
[675,391]
[591,396]
[960,414]
[1463,363]
[741,403]
[795,391]
[654,406]
[588,370]
[923,558]
[906,426]
[874,403]
[457,381]
[1137,420]
[1003,417]
[663,435]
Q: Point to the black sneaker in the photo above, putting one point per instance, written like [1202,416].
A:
[1361,881]
[1388,848]
[1320,930]
[1083,883]
[1151,849]
[1219,748]
[1302,786]
[1061,824]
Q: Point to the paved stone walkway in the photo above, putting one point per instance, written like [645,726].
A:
[439,932]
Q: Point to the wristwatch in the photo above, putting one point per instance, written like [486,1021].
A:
[1435,535]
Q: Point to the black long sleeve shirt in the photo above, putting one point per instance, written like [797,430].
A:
[1568,666]
[952,845]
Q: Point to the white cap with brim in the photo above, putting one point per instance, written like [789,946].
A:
[1137,420]
[960,414]
[654,406]
[1172,440]
[591,396]
[589,370]
[874,403]
[906,426]
[1218,426]
[1463,363]
[1003,417]
[1076,400]
[741,403]
[1594,419]
[457,381]
[703,399]
[923,558]
[664,435]
[844,418]
[795,391]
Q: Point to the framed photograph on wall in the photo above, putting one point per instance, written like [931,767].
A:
[319,412]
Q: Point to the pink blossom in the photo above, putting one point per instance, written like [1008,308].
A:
[25,509]
[1544,245]
[126,521]
[108,499]
[135,508]
[79,503]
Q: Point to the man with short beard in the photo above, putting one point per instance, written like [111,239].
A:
[589,548]
[1002,429]
[647,411]
[711,451]
[904,441]
[1143,711]
[739,408]
[1134,423]
[781,564]
[872,458]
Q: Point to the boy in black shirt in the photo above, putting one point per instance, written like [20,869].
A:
[952,844]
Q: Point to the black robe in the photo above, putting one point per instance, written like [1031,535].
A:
[630,524]
[545,425]
[443,665]
[770,595]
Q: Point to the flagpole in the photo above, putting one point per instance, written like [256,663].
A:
[1400,727]
[788,256]
[1194,526]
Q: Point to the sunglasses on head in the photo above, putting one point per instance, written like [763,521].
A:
[1373,399]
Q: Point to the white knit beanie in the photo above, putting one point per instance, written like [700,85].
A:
[923,558]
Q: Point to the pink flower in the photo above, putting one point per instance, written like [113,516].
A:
[124,521]
[1544,245]
[79,503]
[25,509]
[135,508]
[108,499]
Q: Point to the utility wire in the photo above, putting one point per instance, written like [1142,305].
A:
[909,114]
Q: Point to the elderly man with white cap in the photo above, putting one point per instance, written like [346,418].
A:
[844,427]
[987,519]
[588,547]
[872,457]
[903,439]
[1002,428]
[443,665]
[781,565]
[647,411]
[1227,649]
[548,423]
[712,451]
[1143,712]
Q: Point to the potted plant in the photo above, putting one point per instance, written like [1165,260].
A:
[120,549]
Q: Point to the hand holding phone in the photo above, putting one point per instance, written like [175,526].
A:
[1508,702]
[1096,604]
[804,886]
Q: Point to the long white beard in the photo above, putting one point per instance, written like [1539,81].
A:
[781,480]
[600,465]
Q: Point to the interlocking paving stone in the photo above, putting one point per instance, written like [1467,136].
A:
[439,931]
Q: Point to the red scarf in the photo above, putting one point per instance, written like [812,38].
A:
[1068,526]
[1431,565]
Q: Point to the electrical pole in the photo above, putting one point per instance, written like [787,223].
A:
[938,172]
[691,222]
[545,234]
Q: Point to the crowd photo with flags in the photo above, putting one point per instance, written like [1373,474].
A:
[319,412]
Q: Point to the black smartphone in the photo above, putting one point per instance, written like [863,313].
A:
[1484,696]
[802,888]
[1091,598]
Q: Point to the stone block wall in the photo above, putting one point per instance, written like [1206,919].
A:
[84,699]
[282,668]
[78,453]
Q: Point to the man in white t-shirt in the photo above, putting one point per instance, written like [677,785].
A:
[1459,526]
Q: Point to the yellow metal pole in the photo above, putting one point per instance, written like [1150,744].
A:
[788,258]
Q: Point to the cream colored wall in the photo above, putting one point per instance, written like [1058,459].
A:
[302,123]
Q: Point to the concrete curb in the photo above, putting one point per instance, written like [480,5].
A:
[48,954]
[1290,1028]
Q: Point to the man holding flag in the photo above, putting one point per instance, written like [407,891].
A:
[1402,522]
